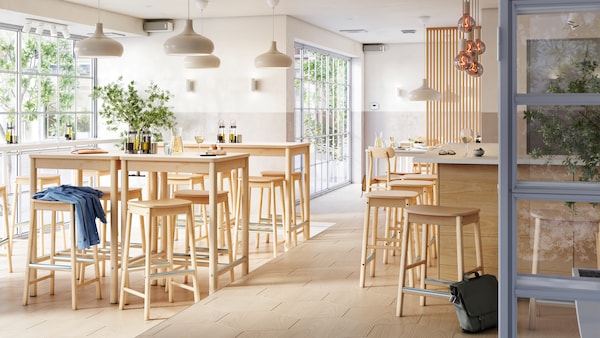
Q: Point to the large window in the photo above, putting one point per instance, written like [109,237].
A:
[45,90]
[322,115]
[549,178]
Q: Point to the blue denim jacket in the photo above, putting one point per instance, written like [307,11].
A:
[87,209]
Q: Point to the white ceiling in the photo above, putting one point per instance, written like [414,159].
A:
[383,20]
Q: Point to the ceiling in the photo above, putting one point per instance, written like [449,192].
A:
[383,20]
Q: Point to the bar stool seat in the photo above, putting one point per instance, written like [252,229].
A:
[201,197]
[44,181]
[8,240]
[269,224]
[423,187]
[157,264]
[372,240]
[104,250]
[299,224]
[71,260]
[439,216]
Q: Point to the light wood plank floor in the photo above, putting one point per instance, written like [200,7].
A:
[311,291]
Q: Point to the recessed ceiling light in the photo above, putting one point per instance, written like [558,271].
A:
[353,31]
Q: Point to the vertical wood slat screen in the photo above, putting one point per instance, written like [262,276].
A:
[460,103]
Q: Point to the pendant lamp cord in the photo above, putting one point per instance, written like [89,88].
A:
[273,23]
[98,11]
[188,9]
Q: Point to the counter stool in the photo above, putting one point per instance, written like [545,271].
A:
[439,216]
[296,179]
[104,250]
[95,176]
[426,177]
[44,180]
[8,241]
[392,201]
[190,181]
[563,216]
[158,265]
[67,260]
[261,225]
[201,197]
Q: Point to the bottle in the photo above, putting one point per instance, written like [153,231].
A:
[146,141]
[478,139]
[232,132]
[131,140]
[9,132]
[69,133]
[221,132]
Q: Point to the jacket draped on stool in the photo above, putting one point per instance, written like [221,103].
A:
[87,209]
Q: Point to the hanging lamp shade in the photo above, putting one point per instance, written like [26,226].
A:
[273,58]
[98,45]
[424,93]
[201,61]
[188,42]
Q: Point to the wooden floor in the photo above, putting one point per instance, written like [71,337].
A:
[311,291]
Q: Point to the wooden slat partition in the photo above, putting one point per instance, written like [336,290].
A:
[460,103]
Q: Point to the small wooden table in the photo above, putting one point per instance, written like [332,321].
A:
[104,162]
[159,164]
[287,150]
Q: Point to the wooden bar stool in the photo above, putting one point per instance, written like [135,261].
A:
[104,250]
[392,201]
[8,241]
[44,181]
[268,224]
[440,216]
[201,197]
[297,179]
[67,260]
[158,265]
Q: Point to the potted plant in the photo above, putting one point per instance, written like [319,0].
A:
[124,106]
[572,131]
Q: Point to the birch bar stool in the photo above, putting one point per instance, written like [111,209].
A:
[372,240]
[44,181]
[8,240]
[132,194]
[67,260]
[201,197]
[154,264]
[440,216]
[297,179]
[267,225]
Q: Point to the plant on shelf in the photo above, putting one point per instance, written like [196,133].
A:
[574,130]
[124,106]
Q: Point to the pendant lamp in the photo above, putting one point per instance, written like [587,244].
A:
[273,58]
[98,45]
[201,61]
[424,93]
[188,42]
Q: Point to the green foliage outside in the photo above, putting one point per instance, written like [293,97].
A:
[571,130]
[48,82]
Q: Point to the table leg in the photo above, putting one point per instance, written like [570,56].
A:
[289,203]
[245,217]
[212,230]
[114,231]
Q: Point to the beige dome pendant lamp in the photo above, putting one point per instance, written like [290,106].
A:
[188,42]
[424,93]
[273,58]
[98,45]
[201,61]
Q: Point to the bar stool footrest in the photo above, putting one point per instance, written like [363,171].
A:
[426,292]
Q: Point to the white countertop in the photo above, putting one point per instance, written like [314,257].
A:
[433,156]
[54,144]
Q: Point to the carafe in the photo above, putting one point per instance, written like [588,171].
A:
[177,141]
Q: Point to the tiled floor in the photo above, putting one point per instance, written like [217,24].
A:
[311,291]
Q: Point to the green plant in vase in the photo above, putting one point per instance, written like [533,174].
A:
[124,106]
[574,130]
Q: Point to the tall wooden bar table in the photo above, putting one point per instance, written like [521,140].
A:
[160,165]
[287,150]
[102,162]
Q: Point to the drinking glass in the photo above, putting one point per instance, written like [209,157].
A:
[198,137]
[466,136]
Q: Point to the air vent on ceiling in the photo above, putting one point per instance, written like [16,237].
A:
[154,26]
[353,31]
[374,47]
[408,31]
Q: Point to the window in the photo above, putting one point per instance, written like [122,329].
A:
[45,89]
[549,194]
[322,115]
